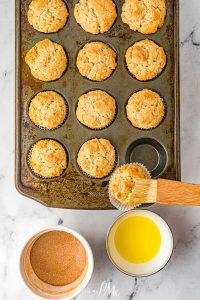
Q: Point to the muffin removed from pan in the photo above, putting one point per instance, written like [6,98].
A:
[47,15]
[145,59]
[96,109]
[145,109]
[48,110]
[47,60]
[47,158]
[121,185]
[145,16]
[96,158]
[95,16]
[96,61]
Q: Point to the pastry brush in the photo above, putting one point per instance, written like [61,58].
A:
[167,192]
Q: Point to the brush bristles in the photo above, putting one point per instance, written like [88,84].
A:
[145,191]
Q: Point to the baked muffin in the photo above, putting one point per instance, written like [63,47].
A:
[96,61]
[96,158]
[47,15]
[145,109]
[96,109]
[144,16]
[95,16]
[47,60]
[47,110]
[121,185]
[48,158]
[145,59]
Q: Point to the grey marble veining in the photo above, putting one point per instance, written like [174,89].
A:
[19,216]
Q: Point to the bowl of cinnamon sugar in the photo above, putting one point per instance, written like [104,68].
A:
[56,263]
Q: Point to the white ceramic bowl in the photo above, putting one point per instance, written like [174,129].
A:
[77,290]
[155,264]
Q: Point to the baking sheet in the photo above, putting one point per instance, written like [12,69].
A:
[73,189]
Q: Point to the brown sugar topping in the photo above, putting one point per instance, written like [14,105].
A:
[58,258]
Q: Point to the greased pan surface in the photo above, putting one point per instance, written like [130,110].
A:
[159,148]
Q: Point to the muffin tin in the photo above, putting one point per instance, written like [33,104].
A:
[158,149]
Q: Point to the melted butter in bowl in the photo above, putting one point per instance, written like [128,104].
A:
[139,243]
[137,239]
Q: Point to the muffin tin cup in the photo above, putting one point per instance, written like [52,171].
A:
[150,153]
[116,203]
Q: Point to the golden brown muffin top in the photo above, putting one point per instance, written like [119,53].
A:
[145,16]
[95,16]
[96,61]
[96,157]
[145,59]
[96,109]
[47,109]
[145,109]
[47,15]
[48,158]
[47,60]
[122,183]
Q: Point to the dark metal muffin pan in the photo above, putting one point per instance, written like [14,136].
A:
[158,148]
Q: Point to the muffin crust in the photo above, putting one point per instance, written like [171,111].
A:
[145,109]
[47,110]
[96,109]
[95,16]
[47,60]
[145,59]
[121,185]
[96,61]
[145,16]
[47,15]
[96,157]
[48,158]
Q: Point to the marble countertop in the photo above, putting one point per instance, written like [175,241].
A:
[20,216]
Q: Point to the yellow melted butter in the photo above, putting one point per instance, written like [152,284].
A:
[137,239]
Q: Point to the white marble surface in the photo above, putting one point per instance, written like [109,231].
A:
[20,216]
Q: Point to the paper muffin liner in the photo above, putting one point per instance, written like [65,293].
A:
[116,203]
[45,128]
[100,178]
[31,168]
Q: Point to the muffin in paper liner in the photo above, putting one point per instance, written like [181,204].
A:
[110,171]
[42,98]
[145,60]
[163,113]
[84,98]
[37,174]
[115,202]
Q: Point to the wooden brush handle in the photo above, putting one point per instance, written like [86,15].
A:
[177,193]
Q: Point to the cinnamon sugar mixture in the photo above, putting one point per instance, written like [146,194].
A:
[58,258]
